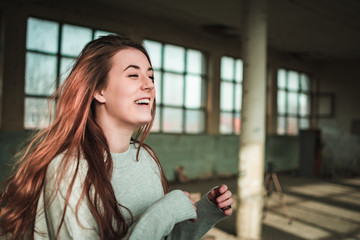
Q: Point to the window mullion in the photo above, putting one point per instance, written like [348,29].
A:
[298,102]
[184,92]
[92,34]
[286,102]
[161,106]
[40,52]
[234,96]
[59,56]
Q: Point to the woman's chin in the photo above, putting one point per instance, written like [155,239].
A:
[143,122]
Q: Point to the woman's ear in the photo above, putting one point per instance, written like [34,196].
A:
[99,96]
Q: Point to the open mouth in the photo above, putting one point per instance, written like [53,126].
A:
[143,101]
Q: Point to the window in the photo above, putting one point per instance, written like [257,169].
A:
[51,48]
[230,95]
[293,102]
[180,83]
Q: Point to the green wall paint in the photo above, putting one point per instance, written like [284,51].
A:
[283,152]
[10,142]
[201,156]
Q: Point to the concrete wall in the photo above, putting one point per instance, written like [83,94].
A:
[341,148]
[201,156]
[282,152]
[10,144]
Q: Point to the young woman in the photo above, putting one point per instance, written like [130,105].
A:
[84,177]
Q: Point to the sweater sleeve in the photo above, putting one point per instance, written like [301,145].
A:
[208,214]
[159,219]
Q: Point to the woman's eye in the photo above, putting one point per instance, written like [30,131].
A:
[133,76]
[152,78]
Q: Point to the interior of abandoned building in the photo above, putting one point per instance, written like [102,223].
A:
[276,79]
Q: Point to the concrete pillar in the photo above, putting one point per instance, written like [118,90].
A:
[252,137]
[13,75]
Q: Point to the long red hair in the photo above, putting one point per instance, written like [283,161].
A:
[74,131]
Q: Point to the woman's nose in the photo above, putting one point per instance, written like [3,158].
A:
[148,83]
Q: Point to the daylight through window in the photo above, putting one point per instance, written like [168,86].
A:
[293,102]
[230,95]
[51,48]
[180,83]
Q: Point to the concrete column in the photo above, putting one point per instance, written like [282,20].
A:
[213,94]
[252,137]
[13,76]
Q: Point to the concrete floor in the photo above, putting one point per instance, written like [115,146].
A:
[321,209]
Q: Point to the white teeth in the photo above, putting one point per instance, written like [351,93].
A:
[143,101]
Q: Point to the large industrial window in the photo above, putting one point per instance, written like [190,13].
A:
[293,101]
[51,48]
[230,95]
[180,83]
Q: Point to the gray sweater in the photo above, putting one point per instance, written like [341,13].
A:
[137,186]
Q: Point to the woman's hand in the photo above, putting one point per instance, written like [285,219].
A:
[221,196]
[192,202]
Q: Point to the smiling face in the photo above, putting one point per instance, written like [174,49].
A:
[128,97]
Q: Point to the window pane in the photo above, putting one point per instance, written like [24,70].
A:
[66,65]
[292,125]
[180,88]
[304,102]
[304,123]
[226,122]
[154,50]
[193,92]
[157,81]
[194,122]
[174,58]
[40,74]
[293,81]
[238,96]
[281,100]
[292,103]
[281,78]
[74,38]
[305,82]
[281,125]
[227,68]
[156,124]
[226,96]
[194,62]
[42,35]
[294,100]
[173,89]
[36,113]
[172,120]
[237,123]
[99,33]
[238,70]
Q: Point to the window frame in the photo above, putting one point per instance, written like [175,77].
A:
[203,95]
[234,84]
[59,56]
[298,116]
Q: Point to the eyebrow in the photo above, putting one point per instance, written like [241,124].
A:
[137,67]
